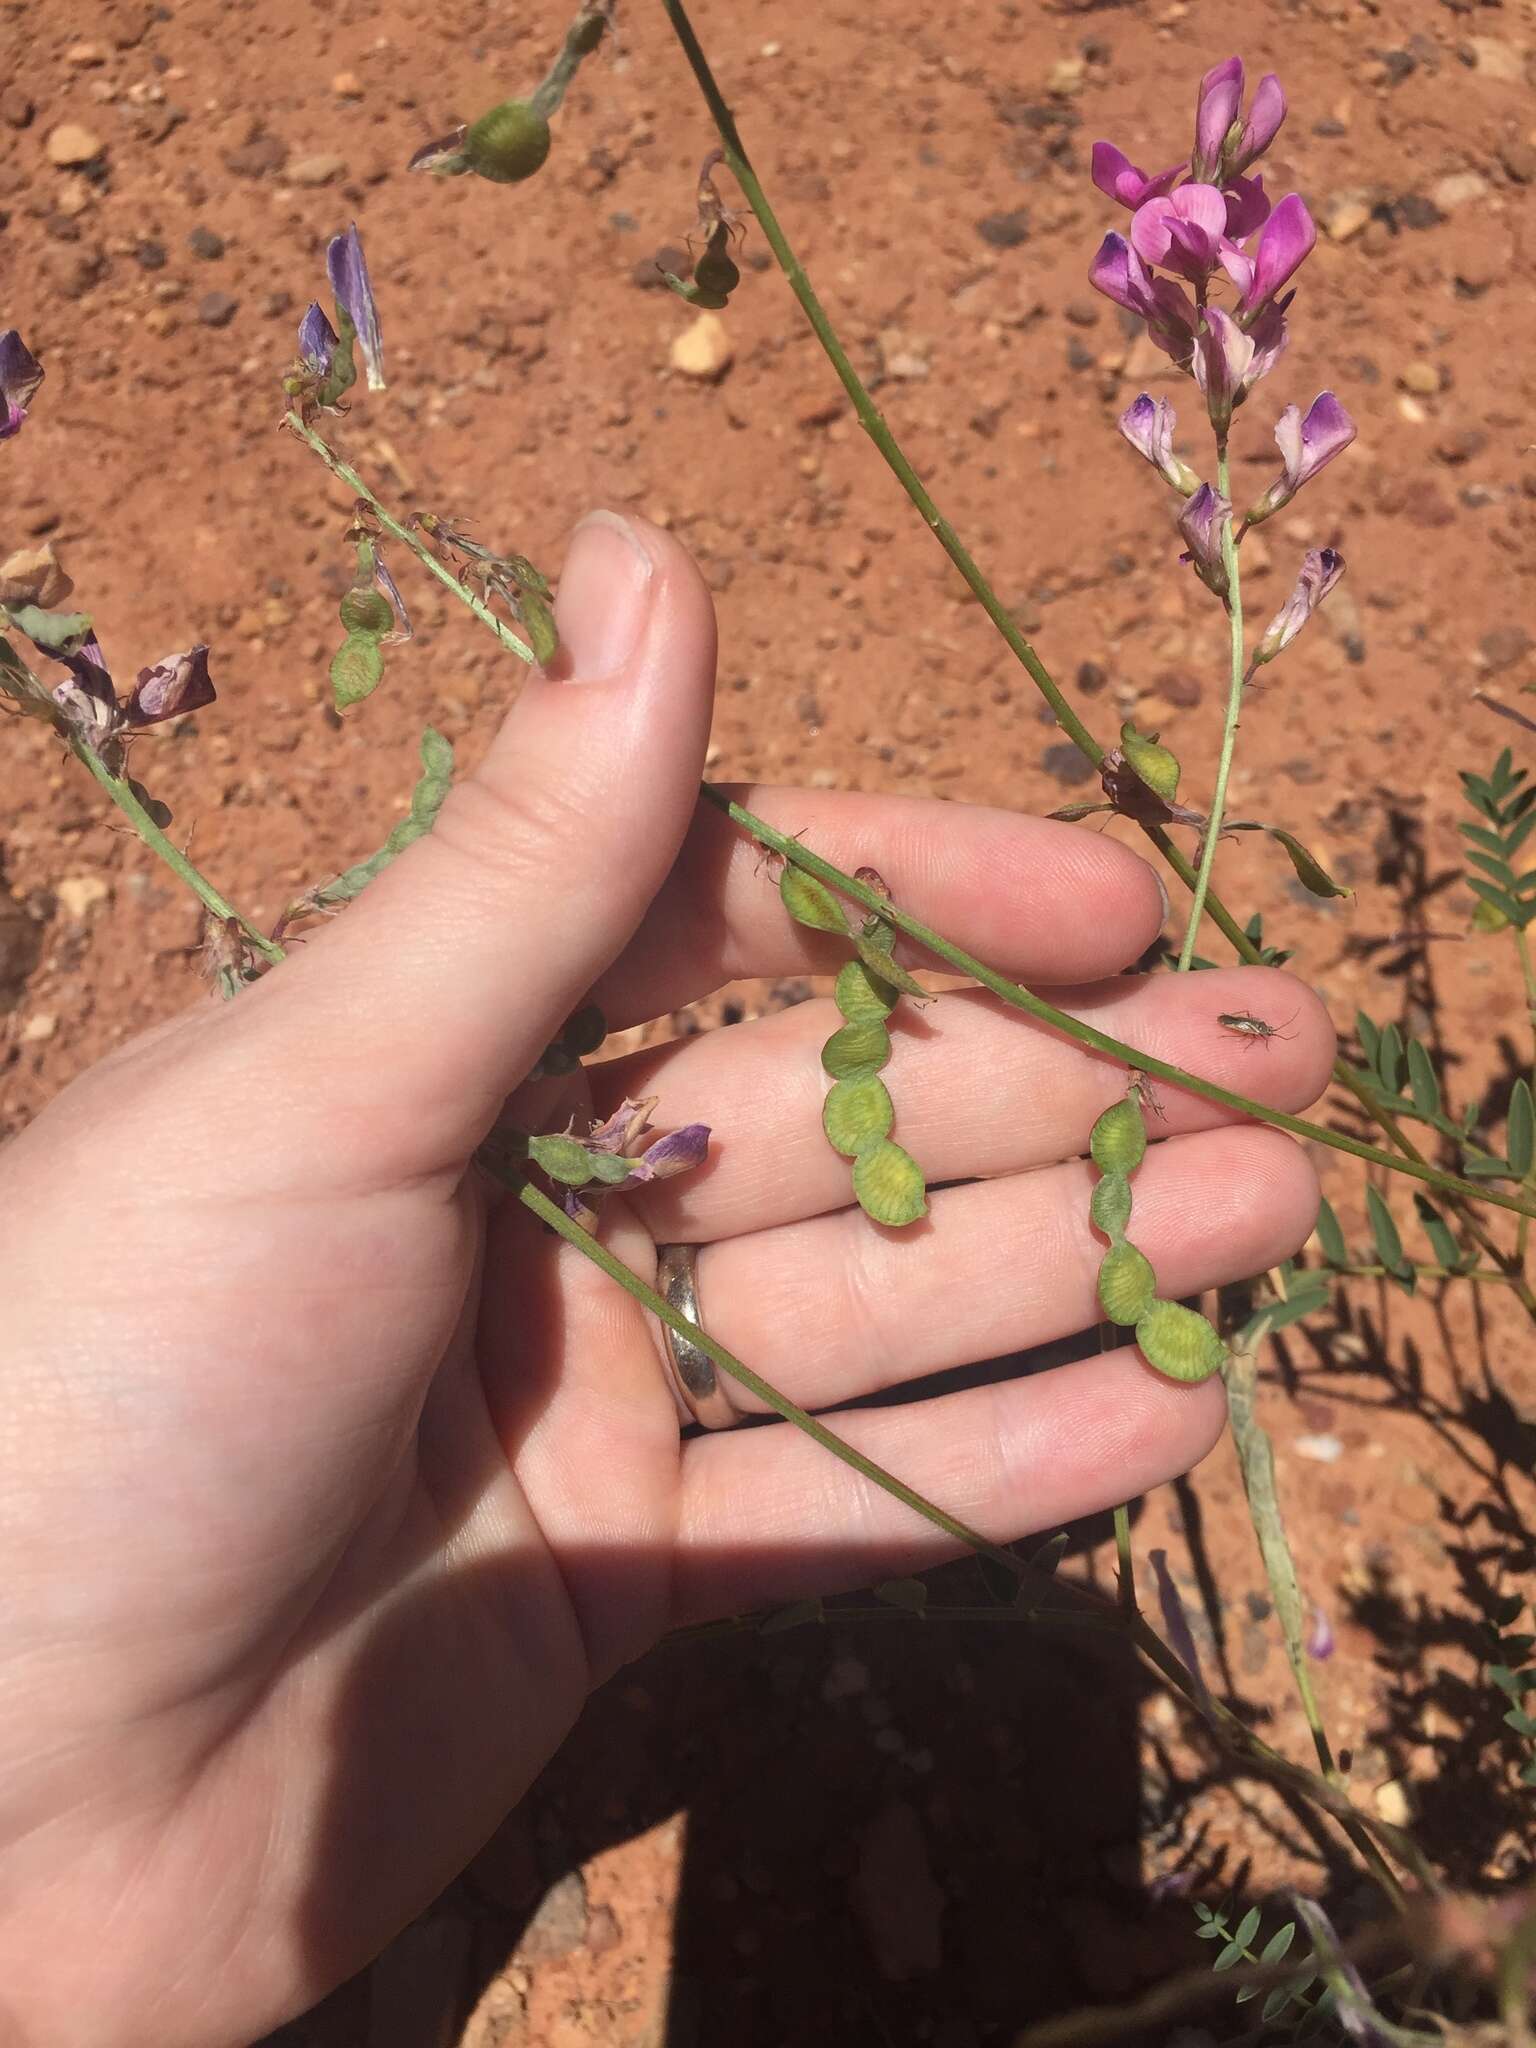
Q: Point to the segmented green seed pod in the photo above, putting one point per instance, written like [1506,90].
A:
[810,902]
[1127,1284]
[357,667]
[863,997]
[861,1048]
[366,611]
[856,1114]
[1158,766]
[877,959]
[508,144]
[1179,1342]
[889,1185]
[1118,1141]
[1109,1208]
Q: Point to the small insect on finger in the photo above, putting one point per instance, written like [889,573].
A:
[1246,1025]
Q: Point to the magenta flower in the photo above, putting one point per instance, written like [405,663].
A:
[20,375]
[1225,145]
[1306,446]
[1321,569]
[1223,366]
[1148,424]
[1203,522]
[178,684]
[355,308]
[1126,183]
[1285,242]
[1247,207]
[1183,232]
[1170,314]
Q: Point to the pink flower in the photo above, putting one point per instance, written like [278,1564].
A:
[1182,232]
[1285,242]
[1170,314]
[1247,207]
[1306,446]
[1225,145]
[1203,522]
[1148,424]
[1126,183]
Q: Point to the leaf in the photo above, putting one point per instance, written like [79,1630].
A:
[1109,1206]
[1389,1246]
[857,1113]
[1520,1131]
[1051,1552]
[1498,900]
[911,1594]
[1230,1956]
[889,1186]
[861,996]
[1278,1945]
[1256,1458]
[1247,1927]
[1127,1284]
[1277,2001]
[856,1049]
[1423,1082]
[1369,1037]
[879,962]
[1520,1721]
[1442,1240]
[1488,918]
[1179,1342]
[1389,1059]
[1309,1294]
[432,787]
[357,668]
[1330,1237]
[810,902]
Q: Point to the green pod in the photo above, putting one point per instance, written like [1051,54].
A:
[889,1185]
[357,667]
[878,960]
[861,1048]
[809,902]
[508,144]
[1157,766]
[1180,1343]
[562,1159]
[539,622]
[857,1114]
[367,611]
[1109,1209]
[863,997]
[1127,1284]
[1118,1141]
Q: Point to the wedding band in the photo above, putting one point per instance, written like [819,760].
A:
[693,1371]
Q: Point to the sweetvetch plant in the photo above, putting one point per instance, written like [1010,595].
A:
[1208,263]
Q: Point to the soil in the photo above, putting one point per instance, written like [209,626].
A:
[908,1833]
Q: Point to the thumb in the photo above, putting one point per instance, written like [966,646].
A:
[448,978]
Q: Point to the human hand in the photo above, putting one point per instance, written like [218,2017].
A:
[330,1487]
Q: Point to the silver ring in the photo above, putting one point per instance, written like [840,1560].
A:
[692,1370]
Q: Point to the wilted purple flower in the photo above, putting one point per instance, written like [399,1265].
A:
[678,1152]
[1285,242]
[348,272]
[1121,180]
[1223,148]
[1247,207]
[1321,569]
[178,684]
[403,629]
[317,342]
[89,700]
[1182,232]
[1148,424]
[20,375]
[1306,445]
[1223,366]
[625,1128]
[1175,1620]
[1202,523]
[1320,1642]
[1170,314]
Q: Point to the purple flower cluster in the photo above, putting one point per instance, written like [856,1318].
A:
[623,1137]
[1196,229]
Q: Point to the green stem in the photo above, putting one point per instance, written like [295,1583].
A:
[1125,1562]
[122,793]
[1482,1274]
[405,536]
[1212,836]
[1020,998]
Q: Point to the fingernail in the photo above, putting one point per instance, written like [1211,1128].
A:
[604,598]
[1162,890]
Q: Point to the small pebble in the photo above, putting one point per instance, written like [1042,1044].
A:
[1005,230]
[316,170]
[346,85]
[204,243]
[149,255]
[1322,1450]
[70,144]
[1422,378]
[217,309]
[703,350]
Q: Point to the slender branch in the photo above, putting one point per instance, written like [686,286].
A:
[1212,836]
[405,535]
[123,794]
[1020,998]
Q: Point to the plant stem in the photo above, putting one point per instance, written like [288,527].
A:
[122,793]
[405,536]
[1020,998]
[1212,836]
[1125,1562]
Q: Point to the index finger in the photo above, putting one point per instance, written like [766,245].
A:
[1037,898]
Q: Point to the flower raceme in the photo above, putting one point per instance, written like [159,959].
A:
[328,356]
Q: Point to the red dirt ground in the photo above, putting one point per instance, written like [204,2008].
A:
[906,1834]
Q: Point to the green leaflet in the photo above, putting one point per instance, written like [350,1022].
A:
[857,1114]
[889,1185]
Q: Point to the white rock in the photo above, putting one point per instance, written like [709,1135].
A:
[1322,1450]
[703,350]
[79,895]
